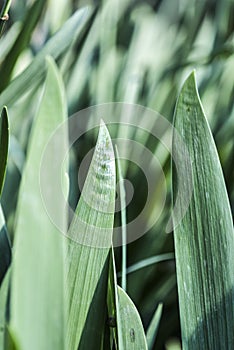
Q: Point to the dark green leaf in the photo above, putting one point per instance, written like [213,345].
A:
[204,239]
[4,140]
[5,248]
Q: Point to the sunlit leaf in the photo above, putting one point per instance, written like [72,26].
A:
[89,243]
[37,294]
[22,41]
[57,45]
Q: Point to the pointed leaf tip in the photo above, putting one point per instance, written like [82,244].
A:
[204,242]
[103,132]
[90,230]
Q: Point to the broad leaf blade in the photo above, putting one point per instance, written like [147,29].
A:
[131,326]
[204,240]
[89,243]
[37,300]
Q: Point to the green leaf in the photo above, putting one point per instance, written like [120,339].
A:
[4,292]
[89,243]
[153,327]
[10,343]
[55,47]
[22,41]
[123,223]
[38,316]
[127,331]
[114,319]
[8,40]
[204,240]
[4,140]
[5,247]
[131,326]
[149,262]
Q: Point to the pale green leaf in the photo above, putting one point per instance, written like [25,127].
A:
[123,223]
[37,295]
[153,327]
[130,322]
[149,262]
[4,292]
[114,319]
[31,19]
[55,47]
[204,239]
[126,330]
[89,243]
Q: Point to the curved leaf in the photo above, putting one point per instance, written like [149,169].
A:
[37,295]
[131,326]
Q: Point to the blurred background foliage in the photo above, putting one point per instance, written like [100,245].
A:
[127,51]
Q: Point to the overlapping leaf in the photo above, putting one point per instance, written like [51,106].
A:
[57,45]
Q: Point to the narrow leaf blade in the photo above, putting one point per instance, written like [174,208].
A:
[5,248]
[153,327]
[4,142]
[89,243]
[4,307]
[35,72]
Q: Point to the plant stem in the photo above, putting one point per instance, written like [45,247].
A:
[4,14]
